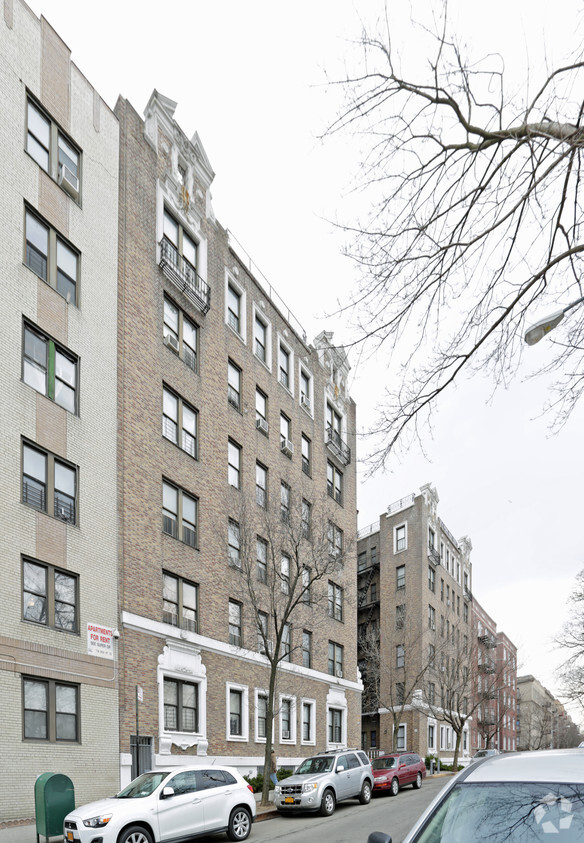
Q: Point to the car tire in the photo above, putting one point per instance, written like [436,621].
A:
[239,824]
[418,782]
[328,804]
[135,834]
[394,789]
[365,795]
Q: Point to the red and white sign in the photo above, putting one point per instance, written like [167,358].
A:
[100,641]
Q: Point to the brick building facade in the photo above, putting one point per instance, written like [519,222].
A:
[226,413]
[58,518]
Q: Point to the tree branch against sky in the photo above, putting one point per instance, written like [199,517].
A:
[473,220]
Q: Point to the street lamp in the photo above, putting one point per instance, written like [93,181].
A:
[548,323]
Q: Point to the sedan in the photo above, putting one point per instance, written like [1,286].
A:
[168,805]
[518,798]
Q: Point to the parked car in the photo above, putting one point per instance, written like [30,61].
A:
[325,779]
[483,753]
[168,805]
[396,769]
[524,797]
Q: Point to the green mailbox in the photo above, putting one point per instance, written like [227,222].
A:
[54,798]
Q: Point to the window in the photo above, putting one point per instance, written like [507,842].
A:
[260,339]
[233,543]
[431,655]
[335,540]
[400,693]
[52,150]
[179,514]
[431,538]
[400,576]
[179,260]
[235,623]
[49,484]
[333,425]
[399,538]
[306,518]
[262,715]
[50,369]
[335,601]
[234,385]
[334,482]
[51,258]
[50,596]
[50,710]
[180,600]
[465,612]
[285,574]
[262,559]
[362,560]
[261,411]
[431,617]
[307,722]
[286,445]
[305,390]
[262,631]
[306,455]
[335,659]
[234,308]
[261,485]
[234,464]
[306,582]
[442,625]
[179,422]
[335,725]
[431,578]
[285,502]
[235,712]
[284,367]
[306,649]
[400,656]
[286,721]
[180,334]
[431,735]
[431,693]
[374,556]
[401,737]
[400,616]
[181,706]
[286,643]
[373,738]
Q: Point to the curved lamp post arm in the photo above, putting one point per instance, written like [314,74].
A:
[548,323]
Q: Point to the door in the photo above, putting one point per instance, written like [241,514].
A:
[343,778]
[141,751]
[217,790]
[181,814]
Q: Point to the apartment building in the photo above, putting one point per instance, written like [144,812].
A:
[58,518]
[495,672]
[538,715]
[414,629]
[227,416]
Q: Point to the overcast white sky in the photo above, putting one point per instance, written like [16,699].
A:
[248,77]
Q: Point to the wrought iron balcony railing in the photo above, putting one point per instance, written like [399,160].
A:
[184,276]
[339,448]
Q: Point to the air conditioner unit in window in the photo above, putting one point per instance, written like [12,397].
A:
[262,424]
[68,181]
[172,342]
[286,735]
[305,402]
[339,673]
[287,447]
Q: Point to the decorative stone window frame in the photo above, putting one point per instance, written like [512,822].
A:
[292,700]
[432,722]
[337,699]
[260,692]
[312,703]
[182,662]
[244,689]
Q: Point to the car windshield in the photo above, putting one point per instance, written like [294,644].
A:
[383,763]
[143,786]
[508,812]
[313,766]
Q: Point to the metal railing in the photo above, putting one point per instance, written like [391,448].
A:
[448,534]
[339,448]
[184,276]
[402,503]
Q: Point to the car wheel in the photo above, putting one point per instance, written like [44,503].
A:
[239,824]
[365,795]
[135,834]
[394,789]
[327,806]
[418,782]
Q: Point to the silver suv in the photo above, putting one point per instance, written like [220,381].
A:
[325,779]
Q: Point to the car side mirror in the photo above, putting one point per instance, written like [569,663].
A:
[378,837]
[166,792]
[340,769]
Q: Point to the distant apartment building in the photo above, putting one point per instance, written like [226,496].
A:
[542,720]
[414,629]
[58,518]
[227,415]
[495,676]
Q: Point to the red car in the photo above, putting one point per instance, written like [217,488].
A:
[396,769]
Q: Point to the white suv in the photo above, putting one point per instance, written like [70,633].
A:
[168,805]
[325,779]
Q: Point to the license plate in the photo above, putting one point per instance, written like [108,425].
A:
[70,835]
[289,799]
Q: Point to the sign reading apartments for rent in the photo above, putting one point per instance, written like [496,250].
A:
[100,641]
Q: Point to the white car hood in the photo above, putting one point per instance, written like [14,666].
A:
[111,805]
